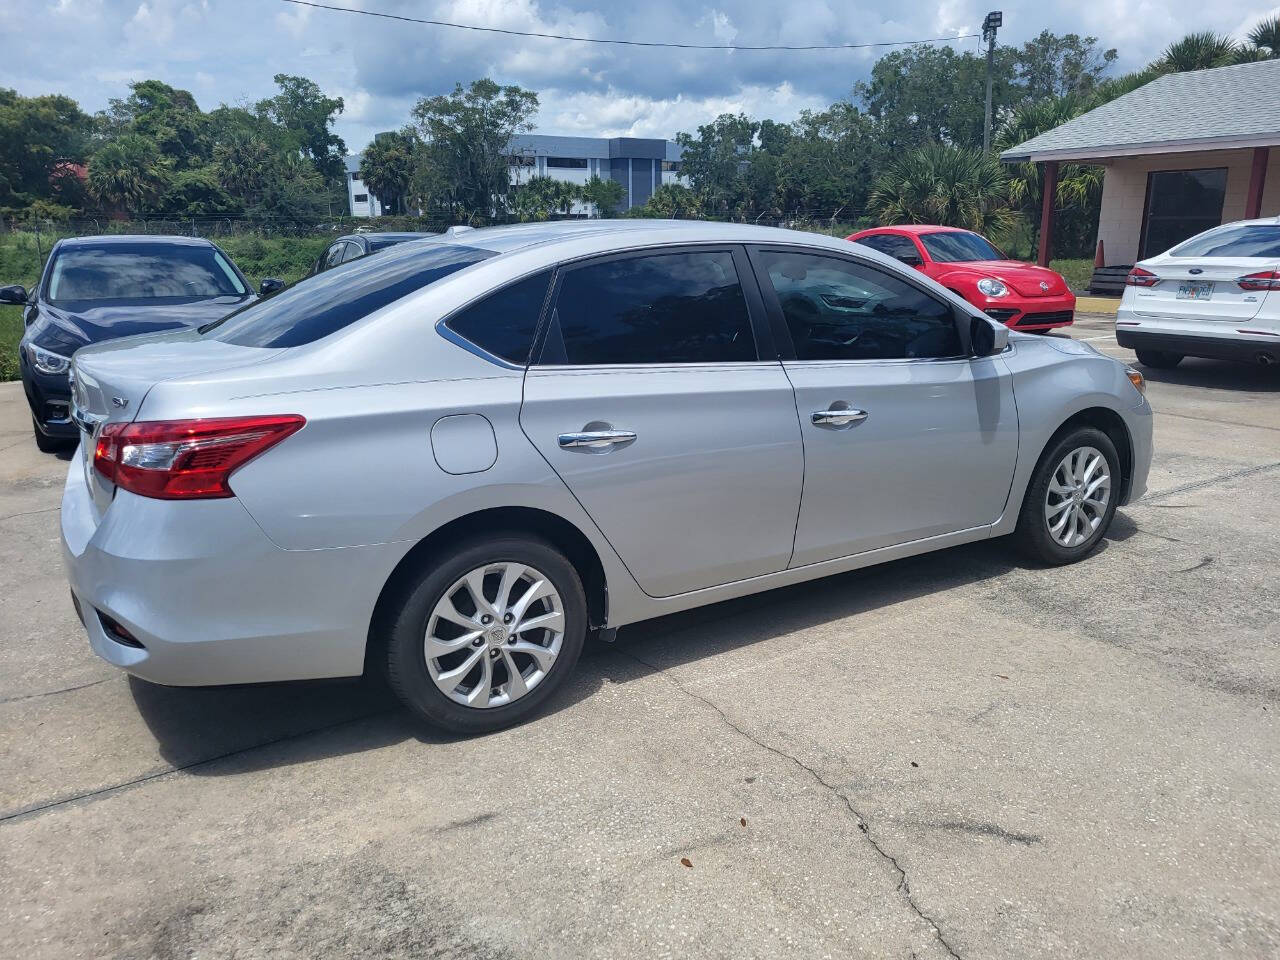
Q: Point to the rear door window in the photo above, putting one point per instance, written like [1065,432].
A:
[504,323]
[685,307]
[318,306]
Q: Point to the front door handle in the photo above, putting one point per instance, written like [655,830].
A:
[839,418]
[595,439]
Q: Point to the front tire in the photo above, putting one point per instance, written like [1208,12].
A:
[484,635]
[1159,359]
[1071,498]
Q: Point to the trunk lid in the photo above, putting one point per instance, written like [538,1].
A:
[1201,289]
[110,381]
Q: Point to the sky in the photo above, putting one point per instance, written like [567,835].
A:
[226,51]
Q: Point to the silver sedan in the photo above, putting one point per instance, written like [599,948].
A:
[453,461]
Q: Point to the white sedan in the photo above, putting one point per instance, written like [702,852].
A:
[1216,295]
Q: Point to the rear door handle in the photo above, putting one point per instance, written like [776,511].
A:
[839,418]
[595,439]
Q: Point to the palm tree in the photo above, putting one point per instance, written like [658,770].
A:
[1265,38]
[1079,185]
[948,185]
[1198,51]
[127,174]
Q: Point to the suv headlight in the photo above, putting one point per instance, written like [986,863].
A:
[46,361]
[992,287]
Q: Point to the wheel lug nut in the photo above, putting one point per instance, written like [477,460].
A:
[478,642]
[486,619]
[511,640]
[506,618]
[493,654]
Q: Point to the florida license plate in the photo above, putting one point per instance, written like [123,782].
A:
[1195,290]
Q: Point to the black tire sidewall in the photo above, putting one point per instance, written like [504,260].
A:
[1159,359]
[406,660]
[1033,529]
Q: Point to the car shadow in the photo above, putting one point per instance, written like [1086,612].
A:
[1219,375]
[220,731]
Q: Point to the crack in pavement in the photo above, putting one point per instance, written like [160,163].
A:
[54,693]
[29,513]
[1196,485]
[904,885]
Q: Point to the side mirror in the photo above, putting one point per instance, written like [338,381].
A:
[269,286]
[986,337]
[16,294]
[912,260]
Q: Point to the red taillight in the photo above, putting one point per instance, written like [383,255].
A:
[1141,278]
[186,459]
[1266,280]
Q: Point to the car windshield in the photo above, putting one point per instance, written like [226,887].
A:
[141,271]
[958,246]
[1243,240]
[319,305]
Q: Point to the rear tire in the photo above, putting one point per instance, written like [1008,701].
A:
[1056,526]
[1159,359]
[446,652]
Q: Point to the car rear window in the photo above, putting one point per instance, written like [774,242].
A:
[1246,240]
[317,306]
[141,271]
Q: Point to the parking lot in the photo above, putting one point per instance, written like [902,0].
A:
[955,755]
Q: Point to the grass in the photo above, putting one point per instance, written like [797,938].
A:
[1077,272]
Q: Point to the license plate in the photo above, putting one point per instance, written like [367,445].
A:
[1195,290]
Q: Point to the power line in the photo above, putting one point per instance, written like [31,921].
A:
[628,43]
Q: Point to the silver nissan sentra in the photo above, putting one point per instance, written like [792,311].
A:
[451,461]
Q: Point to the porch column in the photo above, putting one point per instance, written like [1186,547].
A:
[1048,203]
[1257,182]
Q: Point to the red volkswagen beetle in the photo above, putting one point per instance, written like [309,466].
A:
[1017,294]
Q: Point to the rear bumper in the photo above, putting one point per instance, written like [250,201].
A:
[208,597]
[1239,348]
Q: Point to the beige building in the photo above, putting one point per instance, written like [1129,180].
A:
[1183,153]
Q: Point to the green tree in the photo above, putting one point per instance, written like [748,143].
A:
[127,174]
[605,196]
[1198,51]
[1079,192]
[935,95]
[168,117]
[38,136]
[716,160]
[943,184]
[828,162]
[387,167]
[1057,66]
[244,165]
[307,117]
[1265,38]
[671,201]
[463,168]
[540,198]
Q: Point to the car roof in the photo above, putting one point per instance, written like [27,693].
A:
[623,234]
[390,234]
[918,228]
[130,239]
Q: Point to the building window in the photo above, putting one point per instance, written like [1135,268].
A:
[521,160]
[361,198]
[1180,204]
[670,166]
[568,163]
[355,177]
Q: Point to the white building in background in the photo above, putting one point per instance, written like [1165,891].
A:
[641,165]
[360,202]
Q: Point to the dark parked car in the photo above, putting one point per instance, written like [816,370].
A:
[100,288]
[358,245]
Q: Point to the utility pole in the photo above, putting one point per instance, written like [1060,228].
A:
[989,26]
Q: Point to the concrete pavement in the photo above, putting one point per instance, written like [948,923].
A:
[955,755]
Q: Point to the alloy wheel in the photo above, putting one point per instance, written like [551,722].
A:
[494,635]
[1078,495]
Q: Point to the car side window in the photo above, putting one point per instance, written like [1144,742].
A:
[837,309]
[504,323]
[898,247]
[352,251]
[657,308]
[334,255]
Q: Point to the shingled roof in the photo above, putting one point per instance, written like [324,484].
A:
[1225,107]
